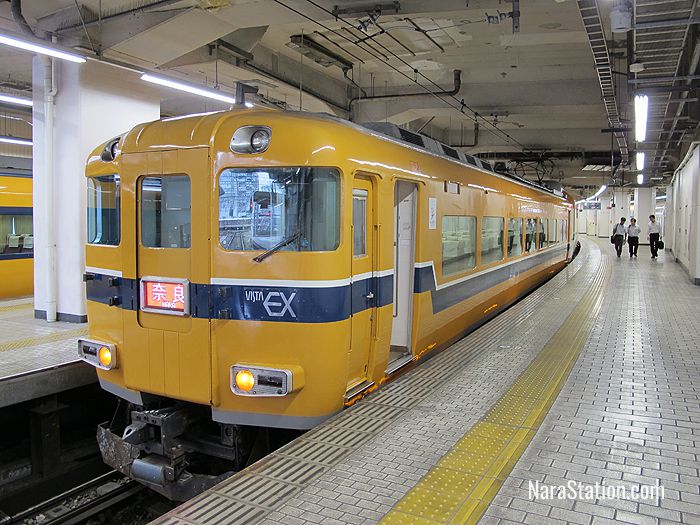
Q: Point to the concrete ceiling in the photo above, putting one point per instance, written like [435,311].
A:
[535,94]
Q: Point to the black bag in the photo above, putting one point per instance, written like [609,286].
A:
[660,245]
[612,239]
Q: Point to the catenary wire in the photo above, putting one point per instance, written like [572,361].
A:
[476,116]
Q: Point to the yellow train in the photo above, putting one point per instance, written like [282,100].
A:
[16,236]
[263,269]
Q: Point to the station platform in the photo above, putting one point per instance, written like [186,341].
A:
[37,358]
[592,380]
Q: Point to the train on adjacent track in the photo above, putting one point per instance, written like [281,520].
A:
[258,269]
[16,235]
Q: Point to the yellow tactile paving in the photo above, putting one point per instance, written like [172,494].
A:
[20,306]
[40,339]
[459,489]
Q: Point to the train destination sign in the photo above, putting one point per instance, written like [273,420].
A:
[165,296]
[591,206]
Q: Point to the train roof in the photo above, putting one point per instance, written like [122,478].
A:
[198,129]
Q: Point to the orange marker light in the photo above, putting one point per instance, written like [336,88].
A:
[245,380]
[105,356]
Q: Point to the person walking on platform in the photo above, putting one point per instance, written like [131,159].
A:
[619,235]
[653,236]
[633,232]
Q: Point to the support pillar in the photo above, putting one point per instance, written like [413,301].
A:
[645,205]
[93,103]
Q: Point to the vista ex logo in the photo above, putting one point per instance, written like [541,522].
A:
[276,304]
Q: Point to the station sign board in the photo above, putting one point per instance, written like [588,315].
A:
[591,205]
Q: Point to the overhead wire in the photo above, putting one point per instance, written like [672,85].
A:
[476,116]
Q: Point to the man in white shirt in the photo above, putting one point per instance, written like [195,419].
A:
[654,235]
[619,235]
[633,232]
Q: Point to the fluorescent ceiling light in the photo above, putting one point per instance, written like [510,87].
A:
[188,89]
[641,110]
[15,140]
[640,178]
[640,160]
[660,197]
[41,49]
[9,99]
[596,167]
[595,196]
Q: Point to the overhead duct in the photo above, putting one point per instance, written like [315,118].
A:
[16,6]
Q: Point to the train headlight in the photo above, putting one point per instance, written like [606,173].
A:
[260,140]
[261,381]
[245,380]
[98,353]
[104,355]
[251,139]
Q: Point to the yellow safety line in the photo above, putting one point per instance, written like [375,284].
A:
[39,339]
[20,306]
[462,485]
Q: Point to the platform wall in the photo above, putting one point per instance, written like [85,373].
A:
[682,226]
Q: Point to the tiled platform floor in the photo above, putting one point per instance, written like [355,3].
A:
[36,357]
[630,410]
[628,413]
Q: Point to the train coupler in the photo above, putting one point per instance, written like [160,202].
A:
[154,450]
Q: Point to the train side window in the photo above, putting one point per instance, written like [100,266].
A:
[530,230]
[297,209]
[359,222]
[552,237]
[165,211]
[542,239]
[515,237]
[103,210]
[491,239]
[16,232]
[564,231]
[458,244]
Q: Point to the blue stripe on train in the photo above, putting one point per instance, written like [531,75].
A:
[309,305]
[259,303]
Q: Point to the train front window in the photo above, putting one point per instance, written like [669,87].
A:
[103,214]
[165,211]
[259,208]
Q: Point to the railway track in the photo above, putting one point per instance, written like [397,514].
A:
[81,503]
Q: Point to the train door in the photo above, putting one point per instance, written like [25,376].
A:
[172,328]
[364,292]
[405,198]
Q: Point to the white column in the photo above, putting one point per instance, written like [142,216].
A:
[644,205]
[669,219]
[603,223]
[93,103]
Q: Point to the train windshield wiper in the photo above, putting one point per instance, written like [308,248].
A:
[284,242]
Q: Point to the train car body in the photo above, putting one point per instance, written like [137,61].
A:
[16,236]
[269,268]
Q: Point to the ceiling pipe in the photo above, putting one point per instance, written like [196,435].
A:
[462,144]
[451,92]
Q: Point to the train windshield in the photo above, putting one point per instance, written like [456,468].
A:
[259,208]
[103,223]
